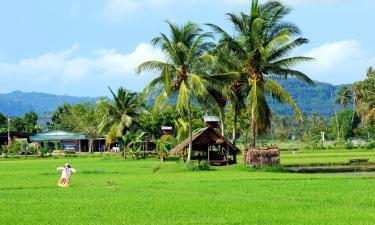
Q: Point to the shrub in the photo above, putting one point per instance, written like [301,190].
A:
[370,145]
[156,168]
[348,145]
[32,149]
[4,150]
[192,166]
[43,150]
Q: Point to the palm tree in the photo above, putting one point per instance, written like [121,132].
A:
[180,74]
[344,97]
[123,112]
[262,44]
[364,96]
[224,62]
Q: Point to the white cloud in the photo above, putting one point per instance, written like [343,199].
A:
[64,67]
[338,62]
[331,55]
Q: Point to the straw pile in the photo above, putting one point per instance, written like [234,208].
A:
[262,157]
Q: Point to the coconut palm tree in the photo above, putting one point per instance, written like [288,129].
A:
[262,43]
[180,73]
[364,96]
[123,112]
[344,97]
[224,62]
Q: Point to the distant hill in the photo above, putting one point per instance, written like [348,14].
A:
[310,99]
[316,98]
[18,103]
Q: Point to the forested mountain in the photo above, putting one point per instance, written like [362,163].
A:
[18,103]
[309,98]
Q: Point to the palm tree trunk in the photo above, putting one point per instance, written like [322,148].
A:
[124,153]
[234,135]
[253,128]
[190,131]
[222,125]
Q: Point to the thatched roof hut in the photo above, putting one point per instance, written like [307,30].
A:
[209,145]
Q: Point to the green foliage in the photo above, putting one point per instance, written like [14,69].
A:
[28,123]
[82,118]
[121,114]
[348,145]
[4,150]
[344,97]
[195,166]
[18,146]
[42,151]
[164,145]
[262,43]
[346,124]
[365,97]
[370,145]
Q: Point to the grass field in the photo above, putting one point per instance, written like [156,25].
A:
[114,191]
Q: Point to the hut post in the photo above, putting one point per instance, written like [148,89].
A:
[208,152]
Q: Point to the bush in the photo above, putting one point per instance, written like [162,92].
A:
[348,145]
[370,145]
[4,150]
[192,166]
[156,168]
[32,149]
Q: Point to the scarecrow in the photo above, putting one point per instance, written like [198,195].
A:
[66,171]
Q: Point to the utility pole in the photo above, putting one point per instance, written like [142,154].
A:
[337,120]
[9,139]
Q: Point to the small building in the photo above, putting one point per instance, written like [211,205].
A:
[68,140]
[18,136]
[167,130]
[210,146]
[211,121]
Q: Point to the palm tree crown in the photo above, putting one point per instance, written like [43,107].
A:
[180,74]
[344,97]
[122,113]
[262,44]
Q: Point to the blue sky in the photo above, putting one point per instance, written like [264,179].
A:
[82,47]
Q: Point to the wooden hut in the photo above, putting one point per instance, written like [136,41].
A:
[210,146]
[148,147]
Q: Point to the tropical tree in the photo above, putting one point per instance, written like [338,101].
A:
[164,145]
[262,43]
[223,61]
[364,96]
[85,119]
[122,113]
[57,121]
[181,74]
[344,97]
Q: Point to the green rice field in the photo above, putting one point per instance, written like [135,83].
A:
[109,190]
